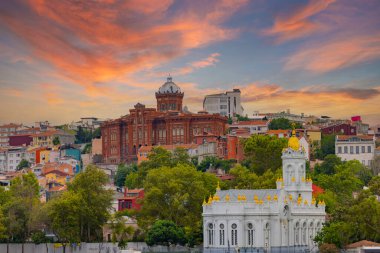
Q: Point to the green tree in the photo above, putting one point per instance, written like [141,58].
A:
[65,214]
[97,133]
[39,237]
[18,210]
[120,232]
[3,228]
[327,146]
[263,152]
[374,185]
[165,232]
[122,171]
[282,123]
[180,156]
[176,194]
[56,141]
[23,164]
[328,165]
[95,201]
[241,118]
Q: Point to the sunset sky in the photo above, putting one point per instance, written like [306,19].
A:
[62,60]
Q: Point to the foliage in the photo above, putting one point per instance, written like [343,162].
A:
[120,232]
[87,148]
[39,237]
[3,228]
[83,135]
[23,164]
[328,165]
[282,123]
[241,118]
[20,204]
[95,200]
[328,248]
[374,185]
[122,171]
[245,179]
[229,120]
[157,158]
[327,146]
[165,232]
[263,152]
[176,194]
[97,133]
[56,141]
[64,213]
[216,163]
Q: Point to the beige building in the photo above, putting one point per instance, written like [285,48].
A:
[45,139]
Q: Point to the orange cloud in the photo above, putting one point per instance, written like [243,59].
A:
[298,23]
[336,54]
[94,42]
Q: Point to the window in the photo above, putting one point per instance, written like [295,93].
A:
[250,234]
[369,150]
[363,149]
[304,233]
[210,234]
[223,107]
[221,234]
[339,150]
[357,149]
[351,149]
[345,149]
[296,234]
[234,234]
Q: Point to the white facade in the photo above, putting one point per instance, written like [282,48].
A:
[361,148]
[285,219]
[11,157]
[226,104]
[306,146]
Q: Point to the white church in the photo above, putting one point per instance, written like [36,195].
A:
[285,219]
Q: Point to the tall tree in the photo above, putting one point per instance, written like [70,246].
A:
[176,194]
[23,200]
[23,164]
[263,152]
[164,232]
[95,201]
[121,173]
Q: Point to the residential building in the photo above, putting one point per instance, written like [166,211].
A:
[10,157]
[254,126]
[363,246]
[6,131]
[96,148]
[20,140]
[285,219]
[131,199]
[45,139]
[235,149]
[280,133]
[342,128]
[165,125]
[225,104]
[361,148]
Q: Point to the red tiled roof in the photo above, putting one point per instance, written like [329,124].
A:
[279,131]
[58,169]
[363,243]
[57,188]
[362,137]
[250,123]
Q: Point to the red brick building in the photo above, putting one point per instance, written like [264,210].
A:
[344,129]
[166,125]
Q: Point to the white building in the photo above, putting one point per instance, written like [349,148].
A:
[285,219]
[226,104]
[360,147]
[11,157]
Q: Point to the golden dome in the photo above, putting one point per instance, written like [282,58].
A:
[293,142]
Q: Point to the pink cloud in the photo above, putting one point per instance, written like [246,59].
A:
[336,54]
[298,23]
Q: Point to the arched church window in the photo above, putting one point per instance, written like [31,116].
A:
[251,235]
[304,232]
[267,235]
[296,234]
[210,234]
[221,234]
[311,233]
[234,234]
